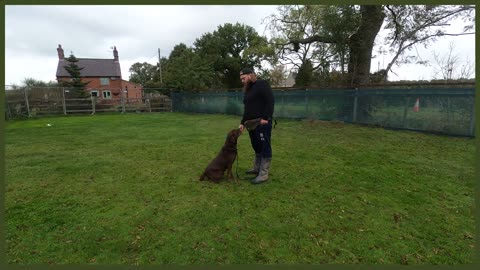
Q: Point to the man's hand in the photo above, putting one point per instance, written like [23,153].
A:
[263,122]
[241,127]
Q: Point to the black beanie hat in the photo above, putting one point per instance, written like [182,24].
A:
[246,71]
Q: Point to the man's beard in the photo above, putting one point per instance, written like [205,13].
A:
[247,86]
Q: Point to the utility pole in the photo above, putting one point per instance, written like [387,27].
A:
[160,66]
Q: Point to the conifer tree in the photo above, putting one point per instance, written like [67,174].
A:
[76,82]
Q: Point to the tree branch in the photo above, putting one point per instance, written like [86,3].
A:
[315,38]
[290,22]
[403,48]
[397,25]
[461,34]
[432,22]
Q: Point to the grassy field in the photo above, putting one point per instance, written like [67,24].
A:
[124,189]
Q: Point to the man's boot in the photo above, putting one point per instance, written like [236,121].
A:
[263,173]
[256,165]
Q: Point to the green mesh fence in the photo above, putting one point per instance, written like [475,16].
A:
[439,110]
[448,111]
[219,102]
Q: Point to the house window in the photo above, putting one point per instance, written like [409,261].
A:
[94,93]
[107,94]
[104,81]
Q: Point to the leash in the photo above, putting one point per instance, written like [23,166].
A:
[236,157]
[236,171]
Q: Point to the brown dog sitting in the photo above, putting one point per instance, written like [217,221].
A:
[224,160]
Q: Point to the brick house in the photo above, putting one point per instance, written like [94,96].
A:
[104,78]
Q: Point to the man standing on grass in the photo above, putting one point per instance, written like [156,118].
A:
[258,104]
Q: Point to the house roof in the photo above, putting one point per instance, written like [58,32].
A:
[92,68]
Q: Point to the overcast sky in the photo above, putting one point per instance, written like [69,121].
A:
[33,33]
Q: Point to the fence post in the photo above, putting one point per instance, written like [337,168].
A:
[93,103]
[171,101]
[283,103]
[9,110]
[64,102]
[123,104]
[449,110]
[306,104]
[472,119]
[355,105]
[25,90]
[405,112]
[149,105]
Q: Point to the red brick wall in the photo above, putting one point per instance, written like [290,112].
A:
[133,90]
[115,86]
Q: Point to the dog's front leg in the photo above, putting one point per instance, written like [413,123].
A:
[229,173]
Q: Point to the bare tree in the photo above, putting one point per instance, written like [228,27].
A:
[467,70]
[448,66]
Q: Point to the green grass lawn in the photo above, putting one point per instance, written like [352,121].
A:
[124,189]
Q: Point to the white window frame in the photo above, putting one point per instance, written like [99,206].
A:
[94,91]
[107,94]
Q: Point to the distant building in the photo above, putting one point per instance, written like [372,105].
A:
[290,80]
[104,77]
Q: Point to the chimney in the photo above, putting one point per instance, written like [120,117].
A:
[115,53]
[61,56]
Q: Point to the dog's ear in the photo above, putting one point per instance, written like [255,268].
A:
[232,138]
